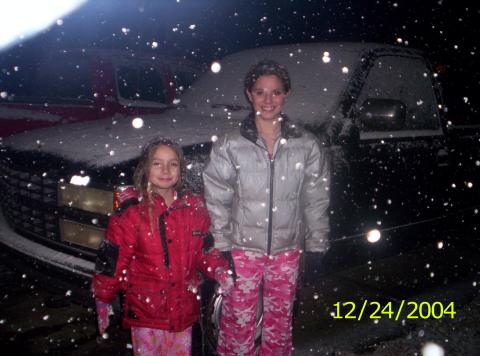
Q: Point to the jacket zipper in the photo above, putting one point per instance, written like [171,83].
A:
[270,210]
[271,161]
[163,233]
[163,237]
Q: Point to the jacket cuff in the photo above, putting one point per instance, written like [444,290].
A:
[317,245]
[103,291]
[222,245]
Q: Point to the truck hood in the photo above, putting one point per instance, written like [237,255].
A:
[111,141]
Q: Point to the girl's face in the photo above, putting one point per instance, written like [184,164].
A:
[267,97]
[164,170]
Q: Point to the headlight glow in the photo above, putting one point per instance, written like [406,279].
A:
[86,198]
[80,180]
[81,234]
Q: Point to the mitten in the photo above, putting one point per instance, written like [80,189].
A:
[104,310]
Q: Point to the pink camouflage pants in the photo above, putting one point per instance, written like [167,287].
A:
[237,325]
[154,342]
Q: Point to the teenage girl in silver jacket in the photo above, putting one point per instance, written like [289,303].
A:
[267,192]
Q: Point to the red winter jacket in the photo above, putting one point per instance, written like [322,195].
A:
[159,271]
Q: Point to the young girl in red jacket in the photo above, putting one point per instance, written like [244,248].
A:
[153,250]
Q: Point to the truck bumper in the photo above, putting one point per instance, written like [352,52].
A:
[40,253]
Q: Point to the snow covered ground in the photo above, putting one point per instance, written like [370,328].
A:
[425,275]
[429,337]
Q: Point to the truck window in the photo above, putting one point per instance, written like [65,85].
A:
[408,80]
[141,83]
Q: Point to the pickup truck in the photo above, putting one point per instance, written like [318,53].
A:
[87,84]
[402,173]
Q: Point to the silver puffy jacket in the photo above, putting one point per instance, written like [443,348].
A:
[268,205]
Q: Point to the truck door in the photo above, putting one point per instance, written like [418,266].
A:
[400,172]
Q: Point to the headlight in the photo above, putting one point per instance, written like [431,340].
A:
[86,198]
[80,234]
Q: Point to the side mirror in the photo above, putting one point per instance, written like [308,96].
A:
[382,114]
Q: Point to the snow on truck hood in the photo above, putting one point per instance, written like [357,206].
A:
[114,140]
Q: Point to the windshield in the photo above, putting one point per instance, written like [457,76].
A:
[319,74]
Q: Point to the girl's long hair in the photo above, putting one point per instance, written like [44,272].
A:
[141,174]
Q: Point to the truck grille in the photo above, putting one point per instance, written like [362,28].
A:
[28,201]
[29,196]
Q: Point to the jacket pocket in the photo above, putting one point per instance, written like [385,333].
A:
[146,300]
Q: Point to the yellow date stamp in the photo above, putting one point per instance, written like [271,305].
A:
[369,309]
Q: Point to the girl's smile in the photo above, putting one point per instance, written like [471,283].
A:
[267,97]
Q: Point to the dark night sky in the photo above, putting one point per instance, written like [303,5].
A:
[208,29]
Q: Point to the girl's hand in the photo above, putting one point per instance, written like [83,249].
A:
[225,280]
[104,310]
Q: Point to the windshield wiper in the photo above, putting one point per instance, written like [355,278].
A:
[231,107]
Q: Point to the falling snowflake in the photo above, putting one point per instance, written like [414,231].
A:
[215,67]
[326,57]
[373,236]
[137,122]
[432,349]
